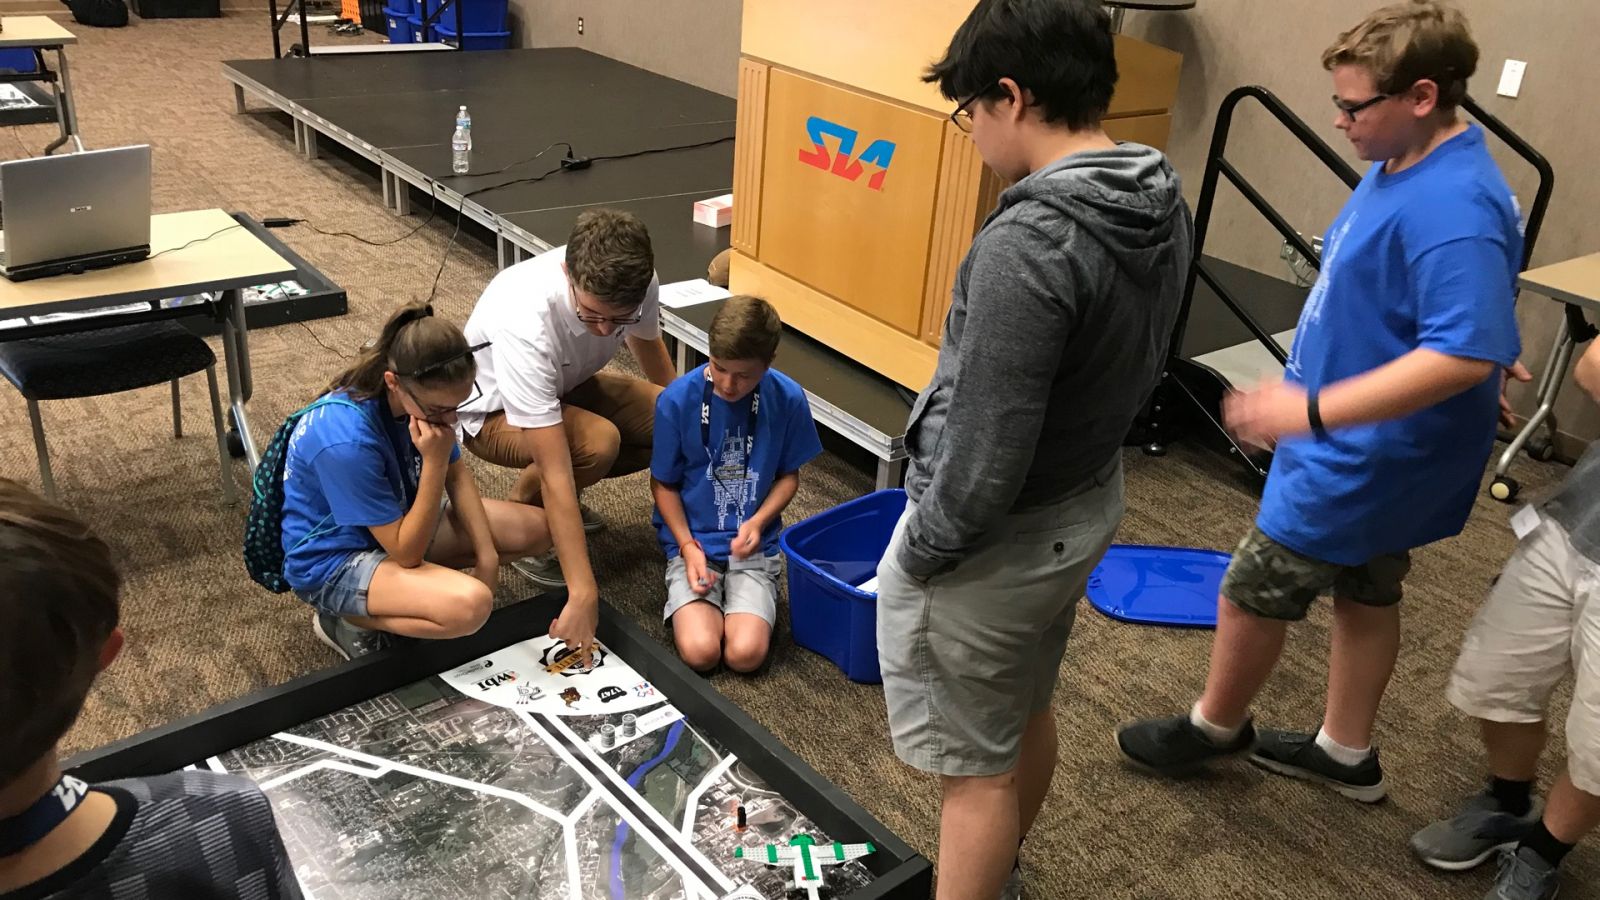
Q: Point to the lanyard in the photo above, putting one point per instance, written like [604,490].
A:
[749,436]
[28,827]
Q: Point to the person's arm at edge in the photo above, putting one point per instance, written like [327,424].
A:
[468,504]
[653,359]
[547,446]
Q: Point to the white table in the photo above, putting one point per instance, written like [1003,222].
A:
[44,33]
[204,251]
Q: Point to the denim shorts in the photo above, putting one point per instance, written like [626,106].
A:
[345,594]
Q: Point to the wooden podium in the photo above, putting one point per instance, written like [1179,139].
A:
[855,197]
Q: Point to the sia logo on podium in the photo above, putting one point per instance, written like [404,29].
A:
[879,153]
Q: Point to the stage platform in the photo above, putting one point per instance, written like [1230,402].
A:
[398,111]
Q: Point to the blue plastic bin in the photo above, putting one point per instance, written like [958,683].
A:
[419,35]
[829,554]
[476,40]
[399,25]
[23,62]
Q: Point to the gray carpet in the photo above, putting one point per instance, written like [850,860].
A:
[200,633]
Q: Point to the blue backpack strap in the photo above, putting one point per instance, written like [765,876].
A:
[287,427]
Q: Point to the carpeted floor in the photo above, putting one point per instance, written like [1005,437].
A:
[200,633]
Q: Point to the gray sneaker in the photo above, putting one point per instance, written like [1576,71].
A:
[591,519]
[544,570]
[1468,839]
[349,641]
[1013,888]
[1524,875]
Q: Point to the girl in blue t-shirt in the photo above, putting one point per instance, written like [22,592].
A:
[380,514]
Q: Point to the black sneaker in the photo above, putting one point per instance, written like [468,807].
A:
[1298,756]
[349,641]
[1175,746]
[1525,875]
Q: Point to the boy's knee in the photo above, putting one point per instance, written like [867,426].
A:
[699,653]
[531,535]
[466,608]
[596,447]
[745,655]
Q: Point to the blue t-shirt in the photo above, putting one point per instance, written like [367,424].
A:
[1426,258]
[724,481]
[345,470]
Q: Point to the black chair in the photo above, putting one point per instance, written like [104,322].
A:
[110,361]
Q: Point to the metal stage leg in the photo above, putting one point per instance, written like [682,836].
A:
[1549,388]
[388,189]
[890,472]
[516,253]
[238,100]
[402,197]
[299,138]
[236,350]
[681,354]
[311,140]
[500,251]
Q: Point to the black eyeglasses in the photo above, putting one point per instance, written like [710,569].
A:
[1350,109]
[429,413]
[962,117]
[436,365]
[589,318]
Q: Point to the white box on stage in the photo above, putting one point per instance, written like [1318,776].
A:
[716,212]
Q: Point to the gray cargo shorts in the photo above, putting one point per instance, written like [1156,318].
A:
[969,655]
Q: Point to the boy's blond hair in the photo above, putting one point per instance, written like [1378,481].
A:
[1408,42]
[745,328]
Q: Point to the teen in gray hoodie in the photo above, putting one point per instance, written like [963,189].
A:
[1056,336]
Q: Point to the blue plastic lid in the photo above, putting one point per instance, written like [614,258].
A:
[1172,586]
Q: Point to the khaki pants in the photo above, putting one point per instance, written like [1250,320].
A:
[609,421]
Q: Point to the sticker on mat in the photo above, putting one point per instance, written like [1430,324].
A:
[542,675]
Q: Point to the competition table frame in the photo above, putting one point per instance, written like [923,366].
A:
[1575,283]
[41,33]
[899,872]
[201,251]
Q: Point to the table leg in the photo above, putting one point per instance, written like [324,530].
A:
[890,473]
[71,110]
[1549,388]
[238,99]
[236,349]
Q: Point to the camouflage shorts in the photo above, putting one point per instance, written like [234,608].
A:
[1274,582]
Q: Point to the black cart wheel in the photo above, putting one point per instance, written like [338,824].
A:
[1504,489]
[1543,451]
[235,444]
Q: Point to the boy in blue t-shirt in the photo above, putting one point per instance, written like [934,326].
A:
[1386,414]
[730,438]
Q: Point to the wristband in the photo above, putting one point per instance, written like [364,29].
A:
[1314,414]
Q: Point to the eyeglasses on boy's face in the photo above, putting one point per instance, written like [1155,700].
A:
[589,315]
[1351,109]
[962,117]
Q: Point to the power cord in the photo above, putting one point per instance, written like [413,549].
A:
[198,240]
[320,341]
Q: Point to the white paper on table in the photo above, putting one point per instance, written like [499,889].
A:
[691,293]
[91,313]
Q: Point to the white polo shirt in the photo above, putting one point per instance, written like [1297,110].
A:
[539,349]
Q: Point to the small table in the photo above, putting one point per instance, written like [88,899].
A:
[203,251]
[1575,283]
[43,33]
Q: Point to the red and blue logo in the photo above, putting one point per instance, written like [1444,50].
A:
[843,162]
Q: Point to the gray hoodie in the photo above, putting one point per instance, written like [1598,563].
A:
[1056,336]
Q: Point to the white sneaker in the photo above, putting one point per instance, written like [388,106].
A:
[543,570]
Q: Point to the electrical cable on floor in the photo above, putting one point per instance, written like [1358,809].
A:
[319,341]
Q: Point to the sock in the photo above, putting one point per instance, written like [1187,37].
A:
[1344,756]
[1514,797]
[1217,734]
[1542,842]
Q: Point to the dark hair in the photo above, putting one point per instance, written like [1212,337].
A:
[745,328]
[1408,42]
[58,605]
[1060,50]
[414,344]
[609,255]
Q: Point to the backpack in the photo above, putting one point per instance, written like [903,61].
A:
[99,13]
[263,524]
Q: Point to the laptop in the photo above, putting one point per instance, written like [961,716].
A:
[74,212]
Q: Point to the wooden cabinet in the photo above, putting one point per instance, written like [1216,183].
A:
[855,197]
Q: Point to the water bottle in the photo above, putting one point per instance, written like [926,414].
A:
[464,122]
[460,151]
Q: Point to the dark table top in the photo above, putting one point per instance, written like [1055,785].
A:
[683,248]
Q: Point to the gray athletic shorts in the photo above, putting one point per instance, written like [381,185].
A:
[752,590]
[968,656]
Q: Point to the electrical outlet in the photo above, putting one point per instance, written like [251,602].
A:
[1511,78]
[580,24]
